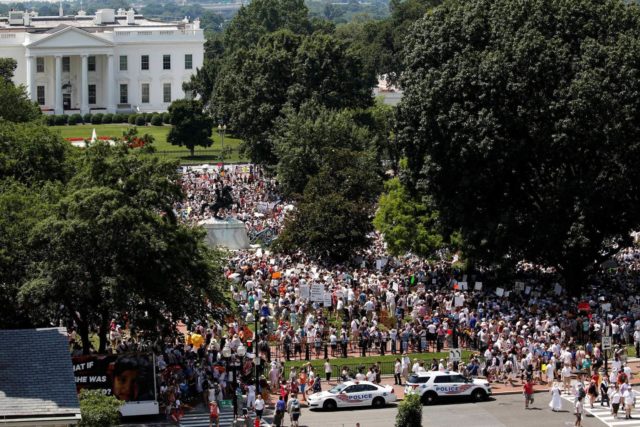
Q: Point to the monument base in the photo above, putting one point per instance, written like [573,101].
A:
[227,233]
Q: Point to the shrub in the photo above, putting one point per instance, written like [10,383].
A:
[140,121]
[410,411]
[96,119]
[131,119]
[61,120]
[120,118]
[166,118]
[156,120]
[74,119]
[107,118]
[98,410]
[51,120]
[86,118]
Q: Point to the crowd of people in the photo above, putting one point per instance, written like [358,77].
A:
[528,330]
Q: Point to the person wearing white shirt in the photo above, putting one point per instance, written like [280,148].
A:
[629,398]
[397,371]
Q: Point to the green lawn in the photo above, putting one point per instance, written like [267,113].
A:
[202,155]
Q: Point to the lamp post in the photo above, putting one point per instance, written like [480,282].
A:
[253,317]
[221,130]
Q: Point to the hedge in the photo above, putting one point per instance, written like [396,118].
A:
[107,118]
[86,118]
[61,120]
[96,119]
[140,120]
[166,118]
[74,119]
[156,120]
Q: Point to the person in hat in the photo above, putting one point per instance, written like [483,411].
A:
[214,414]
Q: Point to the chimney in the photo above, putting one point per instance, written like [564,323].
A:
[131,17]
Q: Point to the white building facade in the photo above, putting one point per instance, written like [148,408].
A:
[110,62]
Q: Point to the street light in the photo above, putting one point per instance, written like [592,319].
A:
[221,130]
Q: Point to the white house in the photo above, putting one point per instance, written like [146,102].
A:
[110,62]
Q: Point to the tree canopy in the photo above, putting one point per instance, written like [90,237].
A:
[520,119]
[192,126]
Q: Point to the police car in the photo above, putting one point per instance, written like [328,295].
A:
[353,393]
[434,385]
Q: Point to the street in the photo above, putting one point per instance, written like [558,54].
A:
[504,411]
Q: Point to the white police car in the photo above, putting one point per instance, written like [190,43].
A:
[435,385]
[353,393]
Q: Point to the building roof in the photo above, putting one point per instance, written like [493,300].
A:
[43,23]
[36,374]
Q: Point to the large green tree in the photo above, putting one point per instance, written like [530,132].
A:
[192,126]
[520,119]
[286,70]
[112,245]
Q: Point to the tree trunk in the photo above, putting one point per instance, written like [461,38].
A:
[192,150]
[575,277]
[103,330]
[83,330]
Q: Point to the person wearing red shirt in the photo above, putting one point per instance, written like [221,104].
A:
[214,414]
[528,393]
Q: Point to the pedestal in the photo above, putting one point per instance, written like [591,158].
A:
[227,233]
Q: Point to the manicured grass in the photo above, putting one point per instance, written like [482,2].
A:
[202,155]
[386,362]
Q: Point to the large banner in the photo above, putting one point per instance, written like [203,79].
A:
[128,377]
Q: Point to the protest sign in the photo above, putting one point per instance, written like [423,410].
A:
[317,292]
[304,291]
[327,299]
[499,292]
[478,286]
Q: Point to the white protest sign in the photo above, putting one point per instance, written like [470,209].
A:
[459,301]
[317,292]
[327,299]
[557,289]
[434,281]
[463,286]
[455,355]
[519,286]
[499,291]
[478,286]
[527,290]
[304,291]
[395,286]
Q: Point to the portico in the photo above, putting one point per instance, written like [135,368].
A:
[66,66]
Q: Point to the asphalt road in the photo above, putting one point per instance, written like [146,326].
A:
[505,411]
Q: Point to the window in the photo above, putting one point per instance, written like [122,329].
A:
[124,94]
[40,95]
[144,62]
[92,94]
[440,379]
[166,62]
[91,63]
[368,387]
[39,64]
[458,379]
[166,92]
[144,98]
[188,61]
[415,379]
[123,63]
[66,64]
[352,389]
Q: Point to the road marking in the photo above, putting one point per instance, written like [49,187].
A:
[603,413]
[201,419]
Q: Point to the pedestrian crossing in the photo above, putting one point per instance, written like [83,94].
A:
[603,413]
[201,419]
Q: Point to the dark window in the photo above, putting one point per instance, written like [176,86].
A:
[123,63]
[188,61]
[352,389]
[124,94]
[166,92]
[92,94]
[166,62]
[66,64]
[368,387]
[144,98]
[415,379]
[91,63]
[40,64]
[144,62]
[458,379]
[40,95]
[442,379]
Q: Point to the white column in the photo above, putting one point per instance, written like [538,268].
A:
[84,85]
[31,77]
[109,82]
[58,89]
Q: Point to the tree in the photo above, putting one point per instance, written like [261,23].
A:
[318,68]
[98,409]
[113,245]
[304,140]
[519,119]
[191,125]
[333,219]
[15,105]
[410,411]
[408,225]
[7,68]
[31,153]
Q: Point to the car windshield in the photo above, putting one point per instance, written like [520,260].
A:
[338,388]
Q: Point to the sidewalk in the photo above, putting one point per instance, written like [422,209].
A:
[499,389]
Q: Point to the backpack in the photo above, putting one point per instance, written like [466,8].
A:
[295,406]
[582,393]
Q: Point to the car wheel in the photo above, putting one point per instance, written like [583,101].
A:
[378,402]
[429,398]
[479,395]
[329,405]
